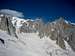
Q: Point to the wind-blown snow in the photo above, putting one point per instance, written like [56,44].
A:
[66,21]
[73,23]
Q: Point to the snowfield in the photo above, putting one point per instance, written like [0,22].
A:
[29,44]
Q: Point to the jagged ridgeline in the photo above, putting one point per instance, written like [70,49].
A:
[59,30]
[6,24]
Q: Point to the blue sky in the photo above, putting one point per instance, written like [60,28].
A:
[48,9]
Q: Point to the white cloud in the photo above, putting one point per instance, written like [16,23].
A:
[12,12]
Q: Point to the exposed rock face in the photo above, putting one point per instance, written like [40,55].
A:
[6,25]
[70,35]
[39,26]
[55,31]
[59,30]
[27,27]
[3,23]
[32,26]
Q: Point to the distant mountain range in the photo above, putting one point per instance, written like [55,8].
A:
[59,30]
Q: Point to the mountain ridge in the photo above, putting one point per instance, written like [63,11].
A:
[59,31]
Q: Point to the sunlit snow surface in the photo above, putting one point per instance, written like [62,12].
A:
[29,44]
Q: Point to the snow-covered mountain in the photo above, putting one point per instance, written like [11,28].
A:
[26,37]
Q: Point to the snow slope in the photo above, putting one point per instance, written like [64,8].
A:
[29,44]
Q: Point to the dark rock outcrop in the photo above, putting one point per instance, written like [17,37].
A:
[3,42]
[6,25]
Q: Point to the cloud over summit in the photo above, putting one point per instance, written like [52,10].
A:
[12,12]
